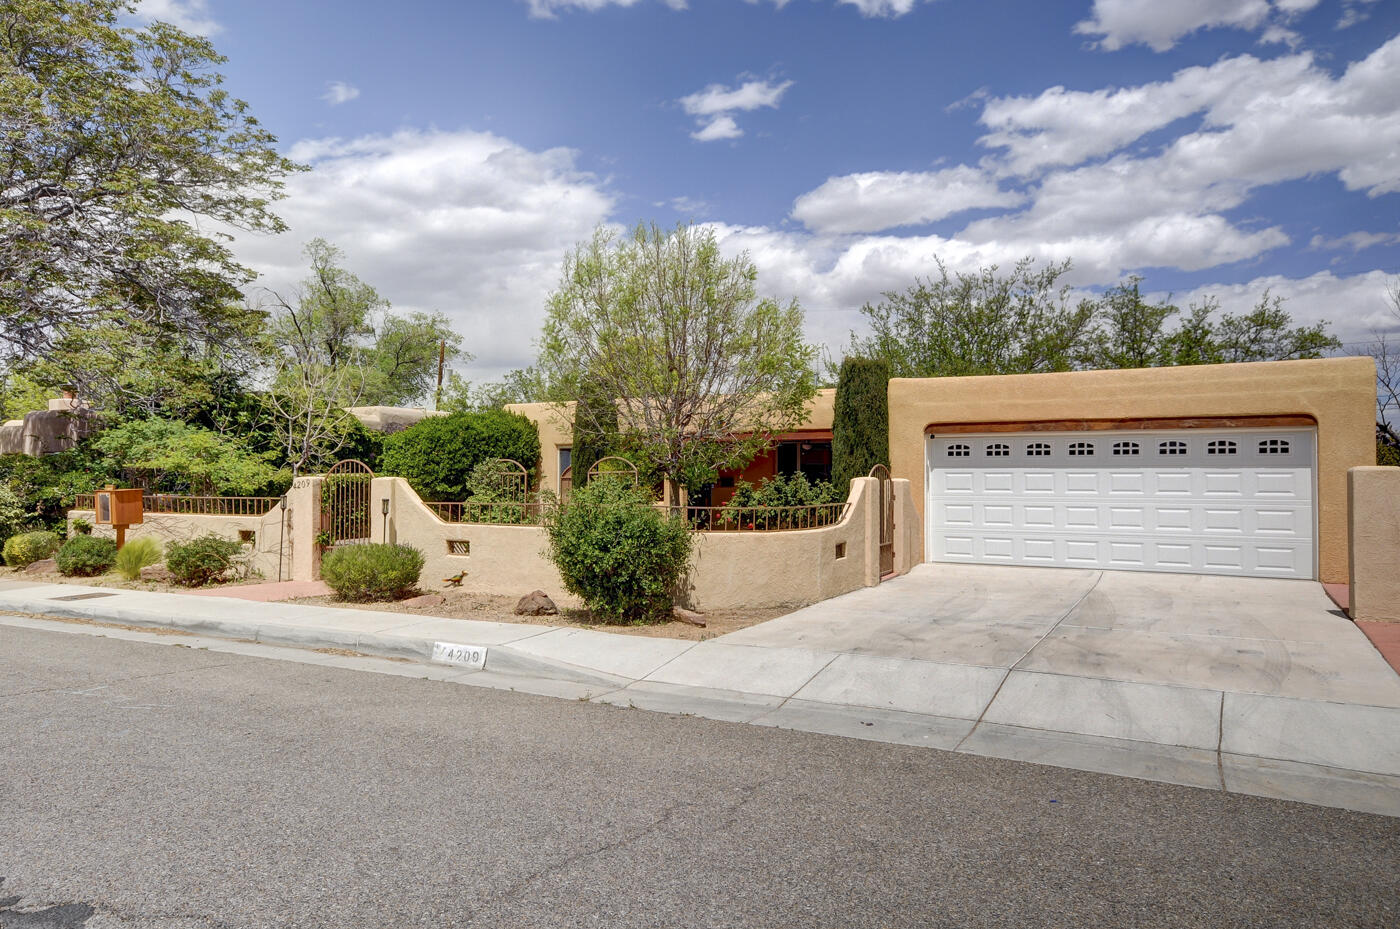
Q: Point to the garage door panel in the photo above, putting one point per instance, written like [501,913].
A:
[1133,501]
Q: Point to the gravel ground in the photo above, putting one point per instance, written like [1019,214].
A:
[157,786]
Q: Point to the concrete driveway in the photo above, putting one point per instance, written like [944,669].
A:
[1261,684]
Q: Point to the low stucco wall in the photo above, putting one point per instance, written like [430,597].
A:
[1375,543]
[1339,394]
[269,544]
[729,570]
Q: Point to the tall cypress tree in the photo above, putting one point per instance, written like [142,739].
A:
[860,432]
[595,430]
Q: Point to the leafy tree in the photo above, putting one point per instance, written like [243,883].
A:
[661,321]
[114,139]
[522,385]
[981,323]
[46,486]
[1132,333]
[175,456]
[860,429]
[1267,333]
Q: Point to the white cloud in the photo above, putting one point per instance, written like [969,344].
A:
[1158,24]
[878,200]
[888,8]
[467,223]
[1353,12]
[190,15]
[1353,306]
[1354,241]
[546,9]
[338,92]
[713,105]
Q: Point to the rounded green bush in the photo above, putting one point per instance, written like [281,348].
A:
[28,547]
[86,556]
[621,555]
[372,571]
[201,561]
[436,456]
[135,555]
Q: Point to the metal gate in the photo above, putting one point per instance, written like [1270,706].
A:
[882,474]
[345,502]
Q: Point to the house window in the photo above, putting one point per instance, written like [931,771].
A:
[1038,450]
[566,458]
[1273,447]
[1171,447]
[998,450]
[1126,448]
[959,451]
[1221,447]
[1078,449]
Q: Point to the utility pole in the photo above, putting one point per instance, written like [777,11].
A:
[442,359]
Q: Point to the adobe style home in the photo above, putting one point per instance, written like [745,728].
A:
[1236,469]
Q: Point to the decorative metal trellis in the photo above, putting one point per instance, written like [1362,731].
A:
[613,466]
[345,511]
[882,474]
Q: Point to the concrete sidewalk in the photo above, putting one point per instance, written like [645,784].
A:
[1316,749]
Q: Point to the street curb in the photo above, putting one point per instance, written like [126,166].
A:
[381,644]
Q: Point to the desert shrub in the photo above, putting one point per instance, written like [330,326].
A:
[1386,453]
[86,556]
[860,428]
[135,555]
[25,549]
[437,455]
[372,571]
[622,556]
[205,560]
[82,527]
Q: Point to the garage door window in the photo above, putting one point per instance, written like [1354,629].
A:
[959,451]
[1273,447]
[1221,447]
[1126,448]
[1038,450]
[1078,449]
[1171,448]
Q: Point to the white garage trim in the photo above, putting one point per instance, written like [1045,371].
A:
[1200,501]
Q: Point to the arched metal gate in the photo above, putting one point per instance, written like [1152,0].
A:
[345,502]
[882,474]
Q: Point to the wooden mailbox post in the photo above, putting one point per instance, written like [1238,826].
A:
[119,508]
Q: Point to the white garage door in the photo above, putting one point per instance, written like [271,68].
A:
[1234,501]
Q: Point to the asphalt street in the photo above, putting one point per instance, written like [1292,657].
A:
[160,786]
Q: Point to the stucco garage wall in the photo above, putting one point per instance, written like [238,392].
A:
[1337,393]
[1375,544]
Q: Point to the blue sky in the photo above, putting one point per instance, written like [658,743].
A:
[1216,147]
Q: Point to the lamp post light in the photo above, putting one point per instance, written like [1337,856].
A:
[384,511]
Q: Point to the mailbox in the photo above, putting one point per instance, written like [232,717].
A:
[118,507]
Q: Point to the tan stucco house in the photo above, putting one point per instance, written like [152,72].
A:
[1215,469]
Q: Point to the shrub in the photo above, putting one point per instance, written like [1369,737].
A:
[860,428]
[29,547]
[621,555]
[86,556]
[372,571]
[758,507]
[12,511]
[437,455]
[205,560]
[135,555]
[1386,453]
[82,527]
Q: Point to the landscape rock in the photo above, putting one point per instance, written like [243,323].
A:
[424,600]
[536,603]
[42,566]
[158,573]
[688,616]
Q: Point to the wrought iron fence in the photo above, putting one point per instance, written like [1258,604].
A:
[497,513]
[698,518]
[764,518]
[185,505]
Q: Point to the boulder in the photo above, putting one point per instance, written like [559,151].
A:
[42,566]
[424,600]
[158,573]
[536,603]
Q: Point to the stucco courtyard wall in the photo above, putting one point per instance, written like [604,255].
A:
[270,544]
[729,570]
[1338,394]
[1375,544]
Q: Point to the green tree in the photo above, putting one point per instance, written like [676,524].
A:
[115,139]
[175,456]
[1132,333]
[438,454]
[981,323]
[595,431]
[706,371]
[860,429]
[1267,333]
